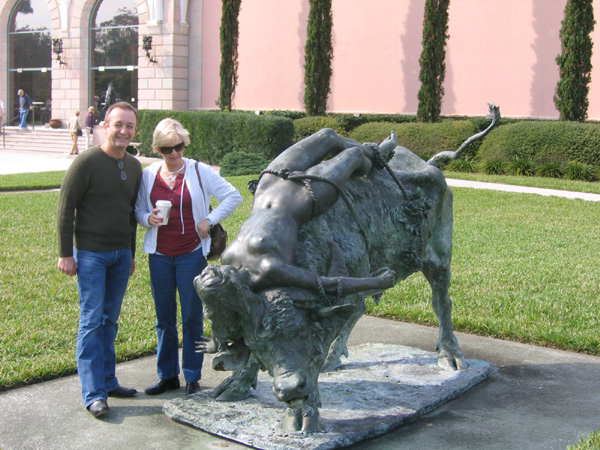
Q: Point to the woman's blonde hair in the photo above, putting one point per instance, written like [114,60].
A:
[167,132]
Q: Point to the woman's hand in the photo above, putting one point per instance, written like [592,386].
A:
[203,228]
[154,219]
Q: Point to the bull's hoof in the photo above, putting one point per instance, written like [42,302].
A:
[452,362]
[451,357]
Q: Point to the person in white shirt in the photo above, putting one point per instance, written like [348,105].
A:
[178,246]
[74,128]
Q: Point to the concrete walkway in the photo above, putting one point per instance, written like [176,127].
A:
[540,398]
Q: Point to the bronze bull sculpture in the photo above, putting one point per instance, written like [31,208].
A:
[293,282]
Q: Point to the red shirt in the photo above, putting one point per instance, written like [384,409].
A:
[173,240]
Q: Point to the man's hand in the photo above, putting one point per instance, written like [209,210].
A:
[67,265]
[132,267]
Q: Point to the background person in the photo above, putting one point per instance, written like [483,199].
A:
[90,123]
[96,206]
[25,105]
[177,251]
[74,128]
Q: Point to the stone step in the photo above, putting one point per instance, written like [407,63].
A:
[39,138]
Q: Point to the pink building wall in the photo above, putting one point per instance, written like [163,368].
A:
[500,51]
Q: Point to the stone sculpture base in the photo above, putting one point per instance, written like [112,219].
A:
[379,387]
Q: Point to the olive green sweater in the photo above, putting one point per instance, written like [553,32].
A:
[96,205]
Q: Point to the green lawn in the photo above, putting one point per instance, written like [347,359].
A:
[525,268]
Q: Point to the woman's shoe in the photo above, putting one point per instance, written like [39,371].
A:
[162,386]
[192,388]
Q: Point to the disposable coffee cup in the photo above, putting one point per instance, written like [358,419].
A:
[164,207]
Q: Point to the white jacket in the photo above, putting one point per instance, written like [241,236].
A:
[213,184]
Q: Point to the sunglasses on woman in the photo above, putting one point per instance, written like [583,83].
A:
[167,150]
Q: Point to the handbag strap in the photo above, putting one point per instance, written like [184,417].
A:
[200,182]
[199,179]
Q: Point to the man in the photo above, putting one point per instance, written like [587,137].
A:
[74,128]
[25,105]
[96,204]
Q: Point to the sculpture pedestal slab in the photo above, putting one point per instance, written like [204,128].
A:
[379,387]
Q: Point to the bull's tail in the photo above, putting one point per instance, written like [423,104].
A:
[450,155]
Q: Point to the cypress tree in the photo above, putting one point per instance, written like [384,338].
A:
[575,60]
[229,33]
[318,56]
[432,60]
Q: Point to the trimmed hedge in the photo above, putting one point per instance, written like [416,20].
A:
[214,134]
[310,125]
[423,139]
[543,142]
[241,163]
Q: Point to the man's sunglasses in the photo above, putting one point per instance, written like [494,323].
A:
[167,150]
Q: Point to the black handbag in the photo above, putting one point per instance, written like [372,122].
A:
[79,132]
[218,234]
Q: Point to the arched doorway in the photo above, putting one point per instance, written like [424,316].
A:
[30,59]
[114,52]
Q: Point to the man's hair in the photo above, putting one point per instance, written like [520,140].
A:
[122,105]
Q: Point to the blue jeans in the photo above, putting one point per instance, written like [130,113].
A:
[102,279]
[23,113]
[169,274]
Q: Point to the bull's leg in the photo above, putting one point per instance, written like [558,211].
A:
[237,386]
[450,354]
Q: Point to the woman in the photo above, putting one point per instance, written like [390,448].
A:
[177,250]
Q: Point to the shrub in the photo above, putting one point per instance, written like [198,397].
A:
[493,167]
[579,171]
[214,133]
[423,139]
[242,163]
[309,125]
[557,141]
[461,165]
[550,170]
[521,167]
[351,121]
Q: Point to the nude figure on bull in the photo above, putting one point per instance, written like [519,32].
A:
[296,187]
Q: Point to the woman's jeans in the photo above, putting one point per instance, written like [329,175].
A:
[102,280]
[168,274]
